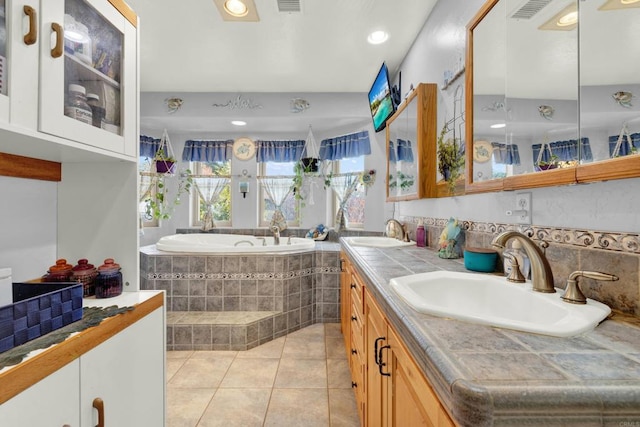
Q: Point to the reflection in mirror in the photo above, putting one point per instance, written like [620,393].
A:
[610,77]
[402,155]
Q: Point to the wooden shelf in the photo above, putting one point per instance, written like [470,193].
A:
[30,168]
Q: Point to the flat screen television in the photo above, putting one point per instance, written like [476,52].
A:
[380,99]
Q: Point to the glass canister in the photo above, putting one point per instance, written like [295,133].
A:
[85,273]
[61,272]
[109,281]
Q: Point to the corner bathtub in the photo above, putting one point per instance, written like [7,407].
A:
[230,243]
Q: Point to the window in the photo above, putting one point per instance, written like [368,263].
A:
[290,206]
[148,189]
[354,209]
[222,206]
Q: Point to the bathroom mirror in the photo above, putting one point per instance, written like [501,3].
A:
[411,136]
[522,69]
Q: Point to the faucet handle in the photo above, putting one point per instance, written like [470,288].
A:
[573,294]
[515,275]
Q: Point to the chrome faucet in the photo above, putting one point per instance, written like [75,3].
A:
[276,234]
[395,229]
[541,275]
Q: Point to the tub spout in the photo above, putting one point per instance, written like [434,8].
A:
[541,275]
[276,234]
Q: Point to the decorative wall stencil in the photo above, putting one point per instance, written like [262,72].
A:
[173,104]
[496,106]
[623,98]
[239,104]
[546,111]
[299,105]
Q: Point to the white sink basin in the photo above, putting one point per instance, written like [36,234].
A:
[492,300]
[377,241]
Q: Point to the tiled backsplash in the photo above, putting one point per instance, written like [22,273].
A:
[569,250]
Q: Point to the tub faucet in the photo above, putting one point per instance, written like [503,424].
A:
[276,234]
[541,275]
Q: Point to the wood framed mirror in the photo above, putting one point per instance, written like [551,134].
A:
[522,74]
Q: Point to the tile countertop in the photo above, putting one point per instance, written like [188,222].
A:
[488,376]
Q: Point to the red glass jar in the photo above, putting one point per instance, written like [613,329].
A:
[61,272]
[109,281]
[85,273]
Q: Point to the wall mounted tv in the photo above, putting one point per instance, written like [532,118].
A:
[380,99]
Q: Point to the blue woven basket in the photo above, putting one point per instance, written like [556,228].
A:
[39,308]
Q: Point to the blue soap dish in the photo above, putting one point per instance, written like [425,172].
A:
[480,259]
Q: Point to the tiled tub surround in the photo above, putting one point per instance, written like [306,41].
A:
[569,250]
[238,301]
[488,376]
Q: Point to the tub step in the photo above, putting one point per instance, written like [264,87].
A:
[223,330]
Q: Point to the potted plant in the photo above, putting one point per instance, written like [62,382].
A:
[450,160]
[552,163]
[158,205]
[164,163]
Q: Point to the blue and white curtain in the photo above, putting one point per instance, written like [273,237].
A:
[344,185]
[207,151]
[345,146]
[149,146]
[277,190]
[280,151]
[209,189]
[623,144]
[566,151]
[505,154]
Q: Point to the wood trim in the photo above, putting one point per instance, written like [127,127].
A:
[28,167]
[548,178]
[126,11]
[17,379]
[618,168]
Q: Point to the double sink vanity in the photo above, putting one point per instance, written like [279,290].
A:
[458,365]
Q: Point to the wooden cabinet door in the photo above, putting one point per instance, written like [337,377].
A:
[376,384]
[345,300]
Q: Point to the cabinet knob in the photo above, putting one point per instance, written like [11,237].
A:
[99,405]
[354,318]
[354,351]
[354,384]
[353,286]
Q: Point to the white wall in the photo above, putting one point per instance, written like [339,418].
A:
[28,221]
[608,206]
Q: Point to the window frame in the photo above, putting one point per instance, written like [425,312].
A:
[334,198]
[194,198]
[262,169]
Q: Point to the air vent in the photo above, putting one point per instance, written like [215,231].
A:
[529,9]
[289,5]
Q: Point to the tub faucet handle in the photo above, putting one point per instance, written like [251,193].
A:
[515,275]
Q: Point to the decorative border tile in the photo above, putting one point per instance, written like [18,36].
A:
[591,239]
[240,276]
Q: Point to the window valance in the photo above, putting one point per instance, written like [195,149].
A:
[565,151]
[345,146]
[149,146]
[207,151]
[280,151]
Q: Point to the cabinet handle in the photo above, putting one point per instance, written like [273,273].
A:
[354,351]
[354,318]
[341,264]
[57,50]
[354,385]
[375,349]
[381,364]
[32,36]
[99,405]
[353,286]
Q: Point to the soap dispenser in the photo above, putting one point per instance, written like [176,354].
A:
[421,235]
[516,251]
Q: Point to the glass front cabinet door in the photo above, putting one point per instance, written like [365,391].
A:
[88,74]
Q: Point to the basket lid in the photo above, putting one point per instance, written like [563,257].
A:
[109,266]
[83,264]
[61,266]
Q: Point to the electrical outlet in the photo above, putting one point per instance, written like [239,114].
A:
[523,204]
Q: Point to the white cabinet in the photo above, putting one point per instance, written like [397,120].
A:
[127,373]
[50,402]
[37,75]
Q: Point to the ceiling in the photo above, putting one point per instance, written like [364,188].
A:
[319,54]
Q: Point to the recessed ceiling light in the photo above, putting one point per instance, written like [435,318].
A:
[236,8]
[378,37]
[565,20]
[498,126]
[238,123]
[619,4]
[569,19]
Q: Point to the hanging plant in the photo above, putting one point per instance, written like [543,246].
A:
[159,205]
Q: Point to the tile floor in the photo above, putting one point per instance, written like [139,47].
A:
[301,379]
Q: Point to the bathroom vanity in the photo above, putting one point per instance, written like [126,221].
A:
[449,372]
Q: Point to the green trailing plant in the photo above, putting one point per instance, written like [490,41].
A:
[159,206]
[552,163]
[450,159]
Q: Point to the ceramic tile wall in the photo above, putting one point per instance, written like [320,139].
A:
[569,250]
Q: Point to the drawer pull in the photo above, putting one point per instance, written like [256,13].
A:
[354,384]
[353,286]
[32,36]
[354,318]
[342,264]
[381,364]
[375,349]
[354,351]
[99,405]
